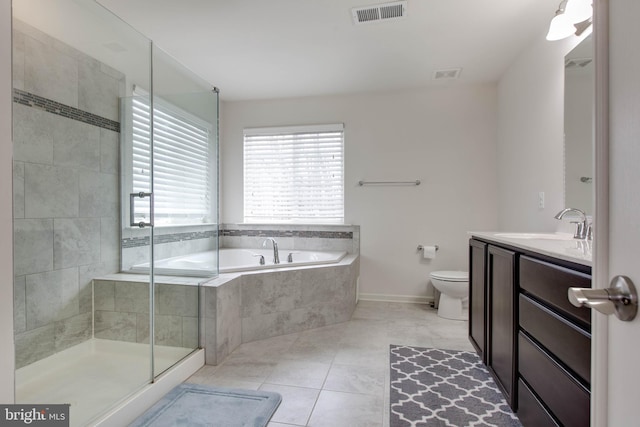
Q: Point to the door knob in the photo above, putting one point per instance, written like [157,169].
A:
[620,298]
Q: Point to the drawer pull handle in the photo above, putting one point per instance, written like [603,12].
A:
[620,298]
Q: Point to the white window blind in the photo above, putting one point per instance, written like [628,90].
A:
[182,164]
[294,174]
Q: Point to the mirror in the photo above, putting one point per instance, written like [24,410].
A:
[578,127]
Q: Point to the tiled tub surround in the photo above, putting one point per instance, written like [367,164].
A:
[244,307]
[294,237]
[235,307]
[66,190]
[185,240]
[248,306]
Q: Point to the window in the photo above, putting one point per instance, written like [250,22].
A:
[294,174]
[182,159]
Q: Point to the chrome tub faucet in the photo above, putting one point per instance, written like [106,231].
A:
[276,256]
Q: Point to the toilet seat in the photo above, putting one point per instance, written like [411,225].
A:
[450,276]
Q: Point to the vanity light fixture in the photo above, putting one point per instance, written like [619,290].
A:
[570,18]
[578,10]
[561,26]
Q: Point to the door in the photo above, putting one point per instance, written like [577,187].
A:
[184,129]
[616,346]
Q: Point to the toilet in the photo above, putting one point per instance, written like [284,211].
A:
[454,290]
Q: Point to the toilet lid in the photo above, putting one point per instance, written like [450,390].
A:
[451,276]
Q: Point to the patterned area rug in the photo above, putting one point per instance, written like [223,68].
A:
[193,405]
[432,387]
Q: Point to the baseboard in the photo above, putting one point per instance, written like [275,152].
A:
[408,299]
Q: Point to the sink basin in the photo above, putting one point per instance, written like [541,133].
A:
[540,236]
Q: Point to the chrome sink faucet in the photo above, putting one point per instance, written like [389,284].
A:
[276,256]
[582,226]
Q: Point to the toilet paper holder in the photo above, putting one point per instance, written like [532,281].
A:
[421,247]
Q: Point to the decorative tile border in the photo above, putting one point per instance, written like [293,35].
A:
[53,107]
[134,242]
[317,234]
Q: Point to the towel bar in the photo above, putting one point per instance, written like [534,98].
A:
[416,182]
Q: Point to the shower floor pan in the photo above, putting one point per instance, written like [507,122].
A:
[92,376]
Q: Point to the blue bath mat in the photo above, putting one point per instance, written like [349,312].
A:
[195,405]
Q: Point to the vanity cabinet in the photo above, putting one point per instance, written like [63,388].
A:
[478,297]
[501,319]
[536,345]
[554,344]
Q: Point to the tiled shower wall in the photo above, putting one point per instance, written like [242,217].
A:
[66,189]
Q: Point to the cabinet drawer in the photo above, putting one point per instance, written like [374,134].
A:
[530,411]
[550,283]
[565,397]
[566,341]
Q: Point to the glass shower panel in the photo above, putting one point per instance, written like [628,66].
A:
[185,147]
[81,329]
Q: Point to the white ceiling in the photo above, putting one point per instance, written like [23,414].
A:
[258,49]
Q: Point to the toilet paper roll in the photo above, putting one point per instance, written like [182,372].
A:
[429,252]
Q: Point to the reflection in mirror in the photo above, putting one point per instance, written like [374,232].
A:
[578,127]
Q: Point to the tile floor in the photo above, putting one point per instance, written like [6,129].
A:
[336,376]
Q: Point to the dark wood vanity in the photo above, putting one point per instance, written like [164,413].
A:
[533,341]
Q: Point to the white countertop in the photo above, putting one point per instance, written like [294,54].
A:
[557,245]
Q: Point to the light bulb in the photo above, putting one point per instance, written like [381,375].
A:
[560,27]
[578,10]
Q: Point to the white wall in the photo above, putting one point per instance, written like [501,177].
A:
[530,136]
[445,136]
[6,210]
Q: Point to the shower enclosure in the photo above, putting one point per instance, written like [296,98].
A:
[115,165]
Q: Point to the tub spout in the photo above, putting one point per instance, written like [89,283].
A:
[276,256]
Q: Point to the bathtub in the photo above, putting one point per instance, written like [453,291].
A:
[253,301]
[202,264]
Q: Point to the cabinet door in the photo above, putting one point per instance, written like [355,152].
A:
[478,297]
[501,352]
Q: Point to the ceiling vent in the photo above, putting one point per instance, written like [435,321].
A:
[449,74]
[577,62]
[378,13]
